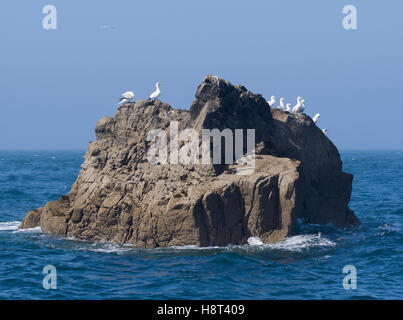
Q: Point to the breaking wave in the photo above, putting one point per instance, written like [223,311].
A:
[9,226]
[254,241]
[304,241]
[108,247]
[28,230]
[295,243]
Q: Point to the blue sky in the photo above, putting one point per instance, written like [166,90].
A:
[55,84]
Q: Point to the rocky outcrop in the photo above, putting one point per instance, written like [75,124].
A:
[120,196]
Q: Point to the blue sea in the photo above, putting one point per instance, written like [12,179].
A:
[308,265]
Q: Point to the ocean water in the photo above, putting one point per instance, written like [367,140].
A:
[308,265]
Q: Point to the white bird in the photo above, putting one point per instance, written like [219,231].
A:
[272,101]
[106,27]
[298,106]
[324,131]
[288,107]
[281,106]
[303,105]
[316,117]
[126,97]
[157,92]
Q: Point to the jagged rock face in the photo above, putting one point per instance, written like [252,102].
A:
[220,105]
[119,196]
[326,189]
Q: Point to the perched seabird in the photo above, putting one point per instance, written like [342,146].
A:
[298,106]
[303,105]
[126,97]
[272,101]
[281,106]
[288,107]
[324,131]
[316,117]
[156,93]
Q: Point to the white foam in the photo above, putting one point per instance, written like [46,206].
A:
[9,226]
[387,229]
[108,247]
[29,230]
[254,241]
[300,242]
[393,227]
[294,243]
[191,247]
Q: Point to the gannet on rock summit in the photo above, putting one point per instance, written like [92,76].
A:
[281,106]
[298,106]
[126,97]
[303,105]
[271,101]
[157,92]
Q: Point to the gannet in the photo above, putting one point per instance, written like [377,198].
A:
[298,106]
[324,131]
[126,97]
[303,105]
[272,101]
[157,92]
[106,27]
[316,117]
[281,106]
[288,107]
